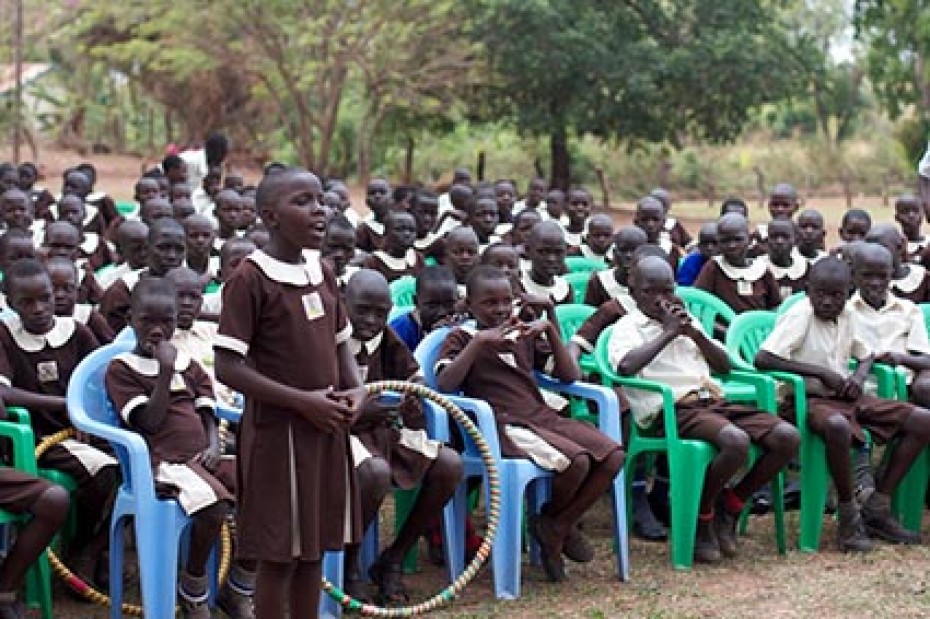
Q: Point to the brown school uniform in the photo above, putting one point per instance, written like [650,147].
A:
[742,288]
[89,289]
[792,278]
[43,364]
[917,250]
[296,492]
[405,447]
[607,314]
[117,299]
[394,268]
[369,235]
[915,286]
[559,292]
[95,251]
[19,491]
[603,286]
[94,320]
[575,239]
[802,337]
[432,246]
[100,212]
[130,380]
[528,428]
[676,232]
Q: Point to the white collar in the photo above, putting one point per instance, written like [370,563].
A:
[665,242]
[752,272]
[916,246]
[426,241]
[587,252]
[611,285]
[131,278]
[911,281]
[376,226]
[819,256]
[148,366]
[573,238]
[558,291]
[82,312]
[407,261]
[670,223]
[304,273]
[90,243]
[762,230]
[795,271]
[355,346]
[57,337]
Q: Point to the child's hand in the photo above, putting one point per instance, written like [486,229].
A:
[500,336]
[374,414]
[852,388]
[165,353]
[538,306]
[209,458]
[353,398]
[534,329]
[325,412]
[675,320]
[890,358]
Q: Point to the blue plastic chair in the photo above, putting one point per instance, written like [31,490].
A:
[520,477]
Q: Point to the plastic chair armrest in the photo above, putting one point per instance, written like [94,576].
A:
[483,417]
[228,413]
[23,439]
[437,421]
[764,385]
[608,408]
[19,415]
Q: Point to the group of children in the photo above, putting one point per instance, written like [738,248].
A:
[280,294]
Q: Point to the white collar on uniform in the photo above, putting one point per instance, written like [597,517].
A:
[573,238]
[376,226]
[795,271]
[407,261]
[81,312]
[821,254]
[670,223]
[752,272]
[665,242]
[611,285]
[131,278]
[501,229]
[304,273]
[557,291]
[355,346]
[57,337]
[762,230]
[90,243]
[911,281]
[587,252]
[426,241]
[148,366]
[916,246]
[351,270]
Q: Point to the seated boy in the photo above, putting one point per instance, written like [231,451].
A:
[389,442]
[612,283]
[578,210]
[707,247]
[484,220]
[854,226]
[909,214]
[815,339]
[659,340]
[785,262]
[339,249]
[461,254]
[650,216]
[908,281]
[597,239]
[398,258]
[64,276]
[733,277]
[434,300]
[370,233]
[167,397]
[132,246]
[38,353]
[811,234]
[495,362]
[546,250]
[783,204]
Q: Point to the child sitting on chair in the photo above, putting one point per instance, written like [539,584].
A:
[597,239]
[398,258]
[908,281]
[611,283]
[785,262]
[811,234]
[434,300]
[370,232]
[659,340]
[494,362]
[64,275]
[650,216]
[815,339]
[167,397]
[707,247]
[389,442]
[783,204]
[545,248]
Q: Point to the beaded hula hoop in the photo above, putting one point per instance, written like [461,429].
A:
[77,584]
[471,570]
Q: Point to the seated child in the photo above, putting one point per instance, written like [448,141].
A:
[495,362]
[673,230]
[811,233]
[612,283]
[707,248]
[17,211]
[167,397]
[815,339]
[650,216]
[200,251]
[785,262]
[233,180]
[554,207]
[535,195]
[389,442]
[909,214]
[734,205]
[578,210]
[339,249]
[233,252]
[249,215]
[505,258]
[64,276]
[424,206]
[598,236]
[133,248]
[854,226]
[659,340]
[93,249]
[893,328]
[504,195]
[545,248]
[166,251]
[62,239]
[733,277]
[461,254]
[460,201]
[104,206]
[38,353]
[339,188]
[75,182]
[370,232]
[180,190]
[434,302]
[398,258]
[783,204]
[484,220]
[908,281]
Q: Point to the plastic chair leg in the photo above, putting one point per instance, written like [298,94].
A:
[506,554]
[39,586]
[332,569]
[908,500]
[116,566]
[618,505]
[687,468]
[814,481]
[778,500]
[159,558]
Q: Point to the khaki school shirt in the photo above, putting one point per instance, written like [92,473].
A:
[680,365]
[898,326]
[802,337]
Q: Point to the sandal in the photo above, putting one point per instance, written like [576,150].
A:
[388,578]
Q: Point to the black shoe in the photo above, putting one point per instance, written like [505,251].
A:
[577,547]
[881,523]
[725,529]
[645,524]
[706,547]
[850,530]
[550,547]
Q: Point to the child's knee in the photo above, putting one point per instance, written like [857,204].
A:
[733,442]
[785,439]
[836,431]
[920,391]
[447,469]
[374,475]
[918,423]
[52,506]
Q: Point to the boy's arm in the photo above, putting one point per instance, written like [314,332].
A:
[715,355]
[455,368]
[766,360]
[636,359]
[912,360]
[151,416]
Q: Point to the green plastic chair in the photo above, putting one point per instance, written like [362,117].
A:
[745,337]
[39,577]
[403,290]
[569,318]
[127,209]
[788,303]
[687,459]
[579,281]
[580,264]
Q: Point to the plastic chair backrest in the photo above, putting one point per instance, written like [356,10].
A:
[579,283]
[789,302]
[706,307]
[570,317]
[581,264]
[397,311]
[925,308]
[403,291]
[746,334]
[427,353]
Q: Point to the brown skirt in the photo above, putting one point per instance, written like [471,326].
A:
[882,418]
[19,491]
[409,459]
[703,420]
[569,436]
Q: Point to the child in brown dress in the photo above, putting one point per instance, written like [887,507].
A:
[398,258]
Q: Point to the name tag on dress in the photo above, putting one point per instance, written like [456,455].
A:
[313,306]
[744,288]
[47,371]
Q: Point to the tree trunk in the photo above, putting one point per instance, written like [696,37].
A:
[408,160]
[561,163]
[479,171]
